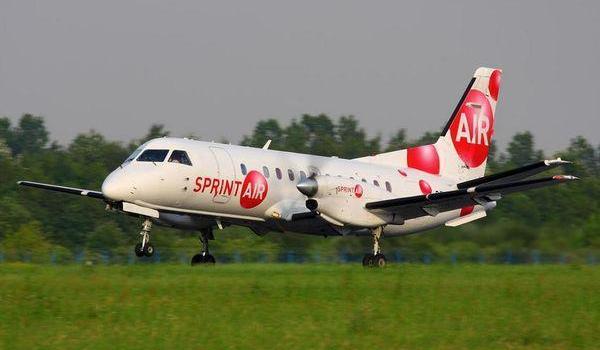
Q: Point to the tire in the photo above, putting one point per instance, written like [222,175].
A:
[209,259]
[197,259]
[138,250]
[149,250]
[379,260]
[367,260]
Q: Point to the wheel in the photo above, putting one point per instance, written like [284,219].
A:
[379,260]
[367,260]
[203,259]
[197,259]
[138,250]
[149,250]
[209,259]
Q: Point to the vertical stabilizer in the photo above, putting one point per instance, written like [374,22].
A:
[464,143]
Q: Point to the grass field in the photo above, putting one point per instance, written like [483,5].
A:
[299,307]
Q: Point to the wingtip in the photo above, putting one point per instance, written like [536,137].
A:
[557,161]
[565,177]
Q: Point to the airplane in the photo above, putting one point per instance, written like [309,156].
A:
[195,185]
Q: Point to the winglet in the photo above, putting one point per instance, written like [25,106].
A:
[267,144]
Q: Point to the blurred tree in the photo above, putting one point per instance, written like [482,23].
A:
[5,133]
[12,215]
[263,131]
[398,141]
[321,134]
[493,163]
[427,138]
[296,139]
[106,237]
[353,142]
[584,157]
[26,244]
[521,150]
[155,131]
[30,136]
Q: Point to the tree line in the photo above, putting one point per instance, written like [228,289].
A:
[37,225]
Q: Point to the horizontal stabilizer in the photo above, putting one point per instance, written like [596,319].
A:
[515,174]
[63,189]
[416,206]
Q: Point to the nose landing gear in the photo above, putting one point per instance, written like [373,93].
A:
[376,259]
[204,257]
[145,248]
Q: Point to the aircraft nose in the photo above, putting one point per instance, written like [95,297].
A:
[115,187]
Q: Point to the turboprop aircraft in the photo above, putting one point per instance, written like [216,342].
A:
[195,185]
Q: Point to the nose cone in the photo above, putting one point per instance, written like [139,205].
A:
[308,187]
[115,187]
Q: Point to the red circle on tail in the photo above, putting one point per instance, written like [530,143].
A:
[472,129]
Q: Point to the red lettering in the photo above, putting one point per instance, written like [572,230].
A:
[198,187]
[237,187]
[221,187]
[215,187]
[207,182]
[228,187]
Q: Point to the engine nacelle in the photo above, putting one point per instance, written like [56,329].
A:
[341,201]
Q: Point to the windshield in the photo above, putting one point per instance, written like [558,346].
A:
[153,155]
[135,154]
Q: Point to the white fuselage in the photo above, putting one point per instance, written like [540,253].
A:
[218,186]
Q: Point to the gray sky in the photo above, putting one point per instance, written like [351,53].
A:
[215,68]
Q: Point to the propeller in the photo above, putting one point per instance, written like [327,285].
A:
[308,186]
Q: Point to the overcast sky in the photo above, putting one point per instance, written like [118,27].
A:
[213,69]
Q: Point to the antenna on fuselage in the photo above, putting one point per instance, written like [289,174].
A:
[267,144]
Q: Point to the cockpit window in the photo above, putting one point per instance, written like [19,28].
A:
[135,154]
[153,155]
[180,157]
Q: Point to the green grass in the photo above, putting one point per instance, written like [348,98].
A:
[299,307]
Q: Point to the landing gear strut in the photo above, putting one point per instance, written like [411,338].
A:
[145,248]
[376,259]
[204,257]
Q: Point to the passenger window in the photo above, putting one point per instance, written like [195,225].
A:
[243,168]
[180,157]
[153,155]
[302,175]
[291,174]
[376,183]
[278,173]
[266,171]
[388,186]
[364,180]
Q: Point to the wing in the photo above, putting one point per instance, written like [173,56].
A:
[69,190]
[432,204]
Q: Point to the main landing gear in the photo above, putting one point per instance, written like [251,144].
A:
[145,248]
[204,257]
[376,259]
